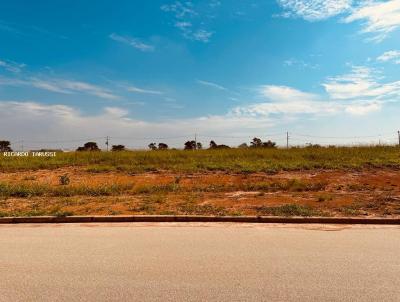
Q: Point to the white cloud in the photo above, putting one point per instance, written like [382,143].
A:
[285,93]
[60,86]
[141,90]
[12,66]
[289,101]
[362,108]
[183,25]
[292,108]
[116,112]
[201,35]
[189,21]
[299,63]
[362,82]
[134,42]
[46,85]
[314,10]
[210,84]
[180,9]
[86,88]
[390,56]
[380,17]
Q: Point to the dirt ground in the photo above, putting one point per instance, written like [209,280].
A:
[366,192]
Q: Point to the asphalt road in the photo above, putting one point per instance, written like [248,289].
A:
[199,262]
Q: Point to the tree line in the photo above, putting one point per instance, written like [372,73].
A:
[189,145]
[5,146]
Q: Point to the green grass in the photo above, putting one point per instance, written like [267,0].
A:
[233,160]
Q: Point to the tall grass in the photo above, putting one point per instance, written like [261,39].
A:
[234,160]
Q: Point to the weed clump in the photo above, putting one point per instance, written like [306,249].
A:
[288,210]
[64,180]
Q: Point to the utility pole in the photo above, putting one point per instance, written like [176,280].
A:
[195,141]
[287,140]
[107,142]
[22,145]
[398,133]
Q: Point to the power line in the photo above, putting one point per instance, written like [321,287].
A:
[58,141]
[150,138]
[247,136]
[342,137]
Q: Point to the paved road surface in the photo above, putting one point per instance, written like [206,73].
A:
[199,262]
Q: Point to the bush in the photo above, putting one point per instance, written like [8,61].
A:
[64,180]
[5,146]
[118,148]
[162,146]
[190,145]
[258,143]
[214,145]
[89,146]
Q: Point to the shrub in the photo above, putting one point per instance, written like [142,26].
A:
[258,143]
[118,148]
[5,146]
[213,145]
[89,146]
[190,145]
[152,146]
[64,180]
[162,146]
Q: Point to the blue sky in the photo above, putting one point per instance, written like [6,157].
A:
[326,71]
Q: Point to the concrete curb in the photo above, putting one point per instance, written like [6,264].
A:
[171,218]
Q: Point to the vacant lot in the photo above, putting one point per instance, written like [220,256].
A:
[363,181]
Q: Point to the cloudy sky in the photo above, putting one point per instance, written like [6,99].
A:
[327,71]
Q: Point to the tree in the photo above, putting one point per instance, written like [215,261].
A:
[162,146]
[89,146]
[243,146]
[310,145]
[190,145]
[213,145]
[5,146]
[269,144]
[256,143]
[152,146]
[199,146]
[118,148]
